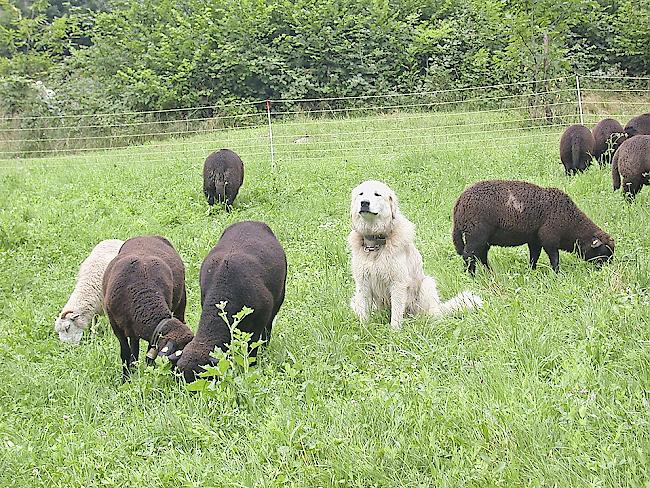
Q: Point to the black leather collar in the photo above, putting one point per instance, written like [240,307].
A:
[373,243]
[155,337]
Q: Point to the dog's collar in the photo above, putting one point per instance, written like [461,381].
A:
[373,242]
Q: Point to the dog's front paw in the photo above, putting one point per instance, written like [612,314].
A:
[359,307]
[395,325]
[470,300]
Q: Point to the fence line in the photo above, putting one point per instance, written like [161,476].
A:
[134,124]
[434,127]
[616,77]
[457,137]
[413,105]
[422,93]
[136,134]
[201,131]
[164,145]
[315,132]
[262,102]
[405,116]
[326,156]
[287,112]
[421,115]
[143,112]
[618,90]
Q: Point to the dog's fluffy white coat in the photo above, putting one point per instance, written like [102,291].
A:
[392,276]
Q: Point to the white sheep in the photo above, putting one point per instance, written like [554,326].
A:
[86,300]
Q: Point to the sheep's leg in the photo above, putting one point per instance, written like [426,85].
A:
[125,355]
[179,313]
[134,350]
[266,332]
[230,200]
[535,249]
[482,255]
[474,250]
[469,256]
[93,325]
[470,262]
[632,186]
[254,338]
[398,296]
[554,257]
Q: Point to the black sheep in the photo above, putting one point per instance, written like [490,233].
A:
[144,298]
[576,148]
[512,213]
[608,135]
[638,126]
[632,162]
[247,267]
[223,175]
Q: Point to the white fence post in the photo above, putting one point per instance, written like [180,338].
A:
[582,118]
[268,115]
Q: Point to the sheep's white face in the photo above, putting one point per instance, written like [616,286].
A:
[70,327]
[373,207]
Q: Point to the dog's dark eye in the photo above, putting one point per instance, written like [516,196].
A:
[360,193]
[377,194]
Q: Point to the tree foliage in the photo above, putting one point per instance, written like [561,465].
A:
[147,54]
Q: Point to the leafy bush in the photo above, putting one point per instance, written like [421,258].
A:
[143,55]
[230,378]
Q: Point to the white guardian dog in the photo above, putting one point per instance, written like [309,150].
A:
[386,265]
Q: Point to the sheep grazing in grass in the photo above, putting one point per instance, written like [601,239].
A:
[632,163]
[638,126]
[576,148]
[86,300]
[512,213]
[144,298]
[223,175]
[247,268]
[608,135]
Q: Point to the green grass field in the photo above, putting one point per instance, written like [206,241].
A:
[547,385]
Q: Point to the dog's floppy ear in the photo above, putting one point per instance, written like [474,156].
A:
[392,199]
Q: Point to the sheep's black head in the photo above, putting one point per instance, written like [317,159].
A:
[598,250]
[190,361]
[171,335]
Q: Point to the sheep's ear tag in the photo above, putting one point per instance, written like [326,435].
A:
[596,243]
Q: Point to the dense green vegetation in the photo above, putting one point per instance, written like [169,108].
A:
[102,56]
[547,385]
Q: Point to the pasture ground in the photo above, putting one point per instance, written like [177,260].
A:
[547,385]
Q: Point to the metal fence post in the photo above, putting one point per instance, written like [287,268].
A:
[582,118]
[268,115]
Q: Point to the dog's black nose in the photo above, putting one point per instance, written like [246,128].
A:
[365,203]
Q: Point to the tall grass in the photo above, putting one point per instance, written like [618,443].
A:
[546,385]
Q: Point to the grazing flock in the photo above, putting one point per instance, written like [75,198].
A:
[140,283]
[627,148]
